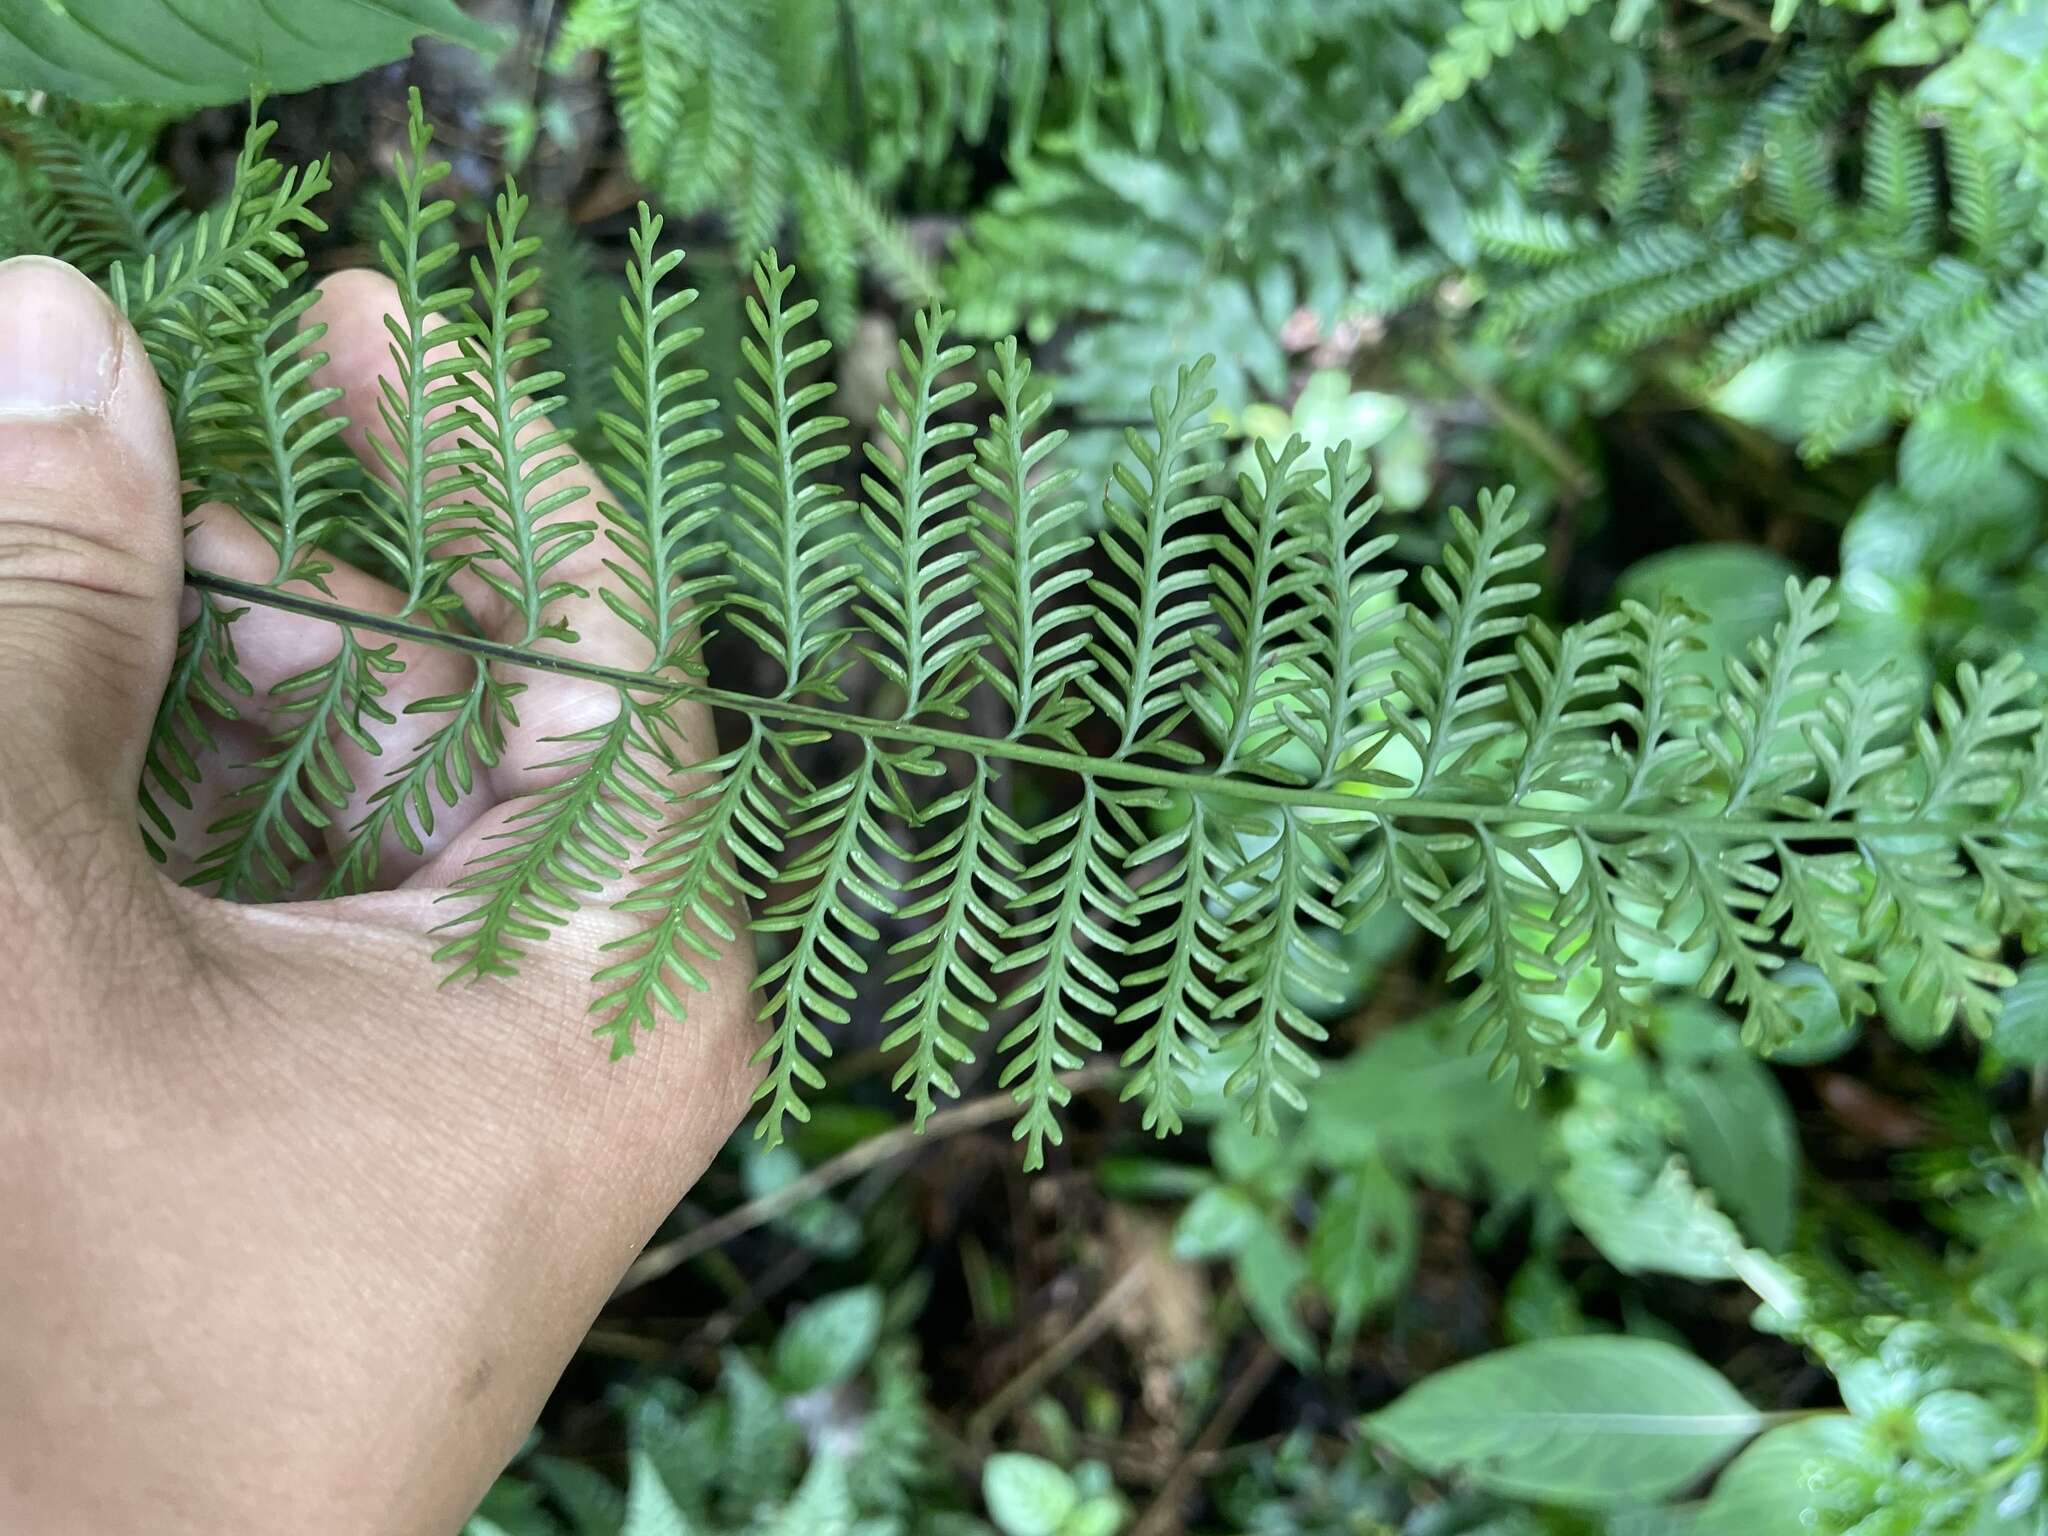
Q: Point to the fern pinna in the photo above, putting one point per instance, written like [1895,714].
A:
[1254,740]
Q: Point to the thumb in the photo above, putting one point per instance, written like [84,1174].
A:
[89,547]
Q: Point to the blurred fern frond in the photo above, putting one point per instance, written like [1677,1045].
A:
[1926,283]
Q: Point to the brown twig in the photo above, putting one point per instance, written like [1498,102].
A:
[1166,1515]
[661,1258]
[1093,1324]
[1573,478]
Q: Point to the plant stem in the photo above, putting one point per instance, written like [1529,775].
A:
[1364,808]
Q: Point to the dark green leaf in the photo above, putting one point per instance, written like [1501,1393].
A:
[187,55]
[829,1340]
[1590,1422]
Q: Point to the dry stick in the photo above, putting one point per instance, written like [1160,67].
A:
[1093,1324]
[1166,1515]
[1574,479]
[661,1258]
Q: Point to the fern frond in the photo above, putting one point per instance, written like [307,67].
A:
[790,530]
[1251,744]
[1490,31]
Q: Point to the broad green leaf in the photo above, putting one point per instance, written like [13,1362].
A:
[1795,1479]
[1362,1248]
[818,1224]
[1824,1032]
[179,54]
[1429,1105]
[1217,1222]
[1963,1430]
[1623,1187]
[1590,1422]
[829,1340]
[1734,1123]
[1270,1274]
[1540,1304]
[1150,1178]
[589,1497]
[1027,1496]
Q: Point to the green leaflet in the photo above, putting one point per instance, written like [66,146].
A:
[194,56]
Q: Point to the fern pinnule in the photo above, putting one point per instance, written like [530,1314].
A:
[836,877]
[1028,564]
[426,457]
[256,843]
[790,534]
[521,457]
[671,480]
[1146,647]
[914,590]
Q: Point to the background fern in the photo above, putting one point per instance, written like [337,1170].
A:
[1760,244]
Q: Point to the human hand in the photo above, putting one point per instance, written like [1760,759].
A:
[291,1239]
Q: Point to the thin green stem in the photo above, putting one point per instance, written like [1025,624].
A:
[1363,807]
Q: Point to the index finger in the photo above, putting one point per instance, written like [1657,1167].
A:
[356,306]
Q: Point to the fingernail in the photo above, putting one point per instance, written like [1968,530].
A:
[59,349]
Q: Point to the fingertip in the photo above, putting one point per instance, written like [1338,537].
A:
[89,525]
